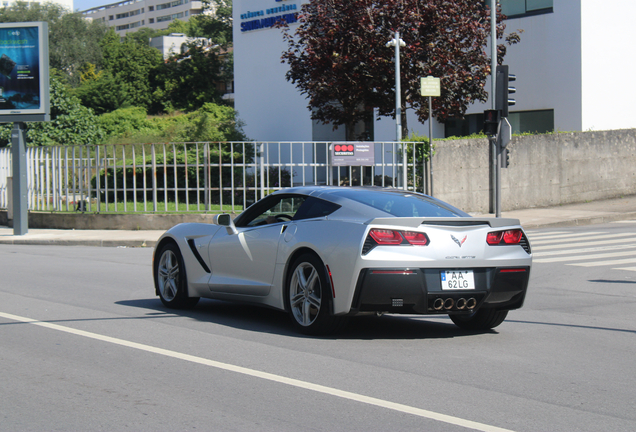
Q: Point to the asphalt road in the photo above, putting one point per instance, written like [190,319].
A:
[85,345]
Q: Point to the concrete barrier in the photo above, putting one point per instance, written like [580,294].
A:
[85,221]
[545,170]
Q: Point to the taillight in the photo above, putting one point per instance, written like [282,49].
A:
[512,236]
[494,238]
[386,237]
[415,238]
[389,237]
[509,237]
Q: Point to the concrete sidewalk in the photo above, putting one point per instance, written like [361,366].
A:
[595,212]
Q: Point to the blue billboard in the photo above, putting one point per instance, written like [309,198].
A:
[24,70]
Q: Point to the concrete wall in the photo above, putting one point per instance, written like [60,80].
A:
[545,170]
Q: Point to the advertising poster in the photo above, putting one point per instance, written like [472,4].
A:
[20,69]
[353,153]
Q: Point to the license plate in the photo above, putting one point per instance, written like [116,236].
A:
[458,280]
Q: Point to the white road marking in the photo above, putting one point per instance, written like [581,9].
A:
[560,235]
[578,237]
[584,250]
[585,257]
[606,263]
[625,221]
[583,244]
[545,234]
[626,268]
[267,376]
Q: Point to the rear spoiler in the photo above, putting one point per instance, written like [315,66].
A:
[414,222]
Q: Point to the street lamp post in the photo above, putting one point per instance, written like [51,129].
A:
[397,43]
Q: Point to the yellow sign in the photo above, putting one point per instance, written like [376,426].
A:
[430,86]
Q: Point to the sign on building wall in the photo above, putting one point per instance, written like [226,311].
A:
[264,18]
[24,72]
[352,153]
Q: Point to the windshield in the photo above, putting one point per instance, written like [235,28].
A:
[402,204]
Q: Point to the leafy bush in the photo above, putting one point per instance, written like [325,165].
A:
[181,168]
[211,123]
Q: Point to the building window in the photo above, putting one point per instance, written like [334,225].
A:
[151,8]
[151,20]
[521,8]
[122,15]
[111,17]
[169,5]
[170,17]
[122,27]
[538,121]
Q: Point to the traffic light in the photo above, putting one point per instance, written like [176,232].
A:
[504,90]
[491,122]
[505,158]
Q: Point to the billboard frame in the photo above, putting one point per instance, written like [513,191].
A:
[43,112]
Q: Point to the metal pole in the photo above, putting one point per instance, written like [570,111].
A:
[493,85]
[398,91]
[20,203]
[430,139]
[398,109]
[498,179]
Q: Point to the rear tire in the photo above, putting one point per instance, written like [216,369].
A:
[308,297]
[483,319]
[170,278]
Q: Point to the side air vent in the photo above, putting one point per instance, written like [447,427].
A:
[525,244]
[369,244]
[198,256]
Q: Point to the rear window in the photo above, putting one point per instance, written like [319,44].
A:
[402,204]
[314,207]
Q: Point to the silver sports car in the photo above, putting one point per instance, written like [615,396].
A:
[326,253]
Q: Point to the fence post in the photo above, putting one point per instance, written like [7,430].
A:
[262,169]
[206,176]
[154,177]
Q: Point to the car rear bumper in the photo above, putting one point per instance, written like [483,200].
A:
[420,291]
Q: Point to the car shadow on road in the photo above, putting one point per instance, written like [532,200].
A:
[271,321]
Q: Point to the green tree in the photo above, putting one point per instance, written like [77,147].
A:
[186,82]
[73,40]
[104,93]
[131,65]
[143,35]
[216,25]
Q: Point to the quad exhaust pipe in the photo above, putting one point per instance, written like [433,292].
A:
[459,304]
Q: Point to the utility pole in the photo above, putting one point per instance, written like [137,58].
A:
[492,148]
[397,43]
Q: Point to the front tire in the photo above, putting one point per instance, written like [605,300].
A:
[309,298]
[483,319]
[170,278]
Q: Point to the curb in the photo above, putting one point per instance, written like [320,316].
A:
[582,221]
[92,243]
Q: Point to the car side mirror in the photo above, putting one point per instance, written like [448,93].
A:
[225,220]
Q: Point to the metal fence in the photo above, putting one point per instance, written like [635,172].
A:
[195,177]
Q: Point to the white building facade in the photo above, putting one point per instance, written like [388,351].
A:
[176,43]
[131,15]
[567,49]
